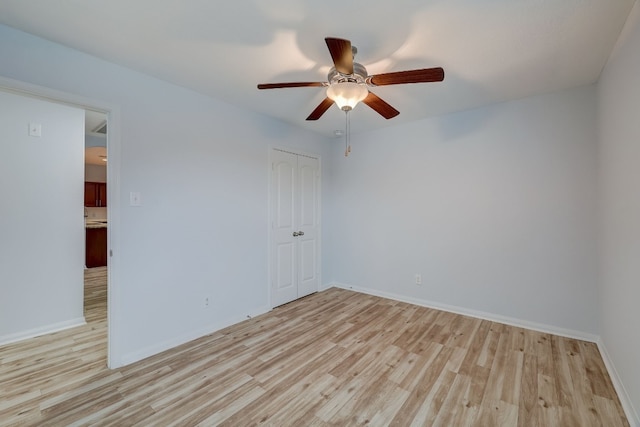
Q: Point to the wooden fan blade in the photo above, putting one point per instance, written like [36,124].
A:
[320,109]
[341,53]
[425,75]
[293,84]
[384,109]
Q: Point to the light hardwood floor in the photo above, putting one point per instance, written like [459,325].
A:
[334,358]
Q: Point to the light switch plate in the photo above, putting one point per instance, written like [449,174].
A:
[134,199]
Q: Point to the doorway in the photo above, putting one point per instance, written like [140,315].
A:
[95,218]
[294,249]
[112,113]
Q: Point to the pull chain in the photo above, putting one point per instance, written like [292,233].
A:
[347,137]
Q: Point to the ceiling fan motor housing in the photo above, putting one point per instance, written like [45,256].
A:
[359,75]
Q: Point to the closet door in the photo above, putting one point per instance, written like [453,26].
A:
[294,246]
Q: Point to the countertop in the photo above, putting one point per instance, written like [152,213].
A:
[95,223]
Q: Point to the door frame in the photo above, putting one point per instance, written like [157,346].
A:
[297,152]
[113,188]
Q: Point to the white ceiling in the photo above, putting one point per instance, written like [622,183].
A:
[491,50]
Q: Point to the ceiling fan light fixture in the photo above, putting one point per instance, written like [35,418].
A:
[348,82]
[346,95]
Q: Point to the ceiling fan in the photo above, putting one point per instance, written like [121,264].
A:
[349,83]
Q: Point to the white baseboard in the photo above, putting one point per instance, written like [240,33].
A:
[143,353]
[625,400]
[540,327]
[43,330]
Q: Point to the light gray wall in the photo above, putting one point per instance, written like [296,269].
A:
[201,167]
[495,207]
[41,219]
[619,138]
[95,141]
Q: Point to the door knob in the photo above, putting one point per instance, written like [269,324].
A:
[300,233]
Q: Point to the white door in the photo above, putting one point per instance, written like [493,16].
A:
[295,207]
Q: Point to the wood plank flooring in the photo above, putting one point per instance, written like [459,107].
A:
[336,358]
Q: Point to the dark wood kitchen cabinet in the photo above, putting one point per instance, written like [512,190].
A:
[95,194]
[96,247]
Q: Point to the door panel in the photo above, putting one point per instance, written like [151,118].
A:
[283,265]
[307,267]
[308,209]
[294,208]
[284,174]
[308,270]
[285,276]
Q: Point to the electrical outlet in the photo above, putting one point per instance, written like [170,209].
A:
[206,301]
[35,129]
[418,279]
